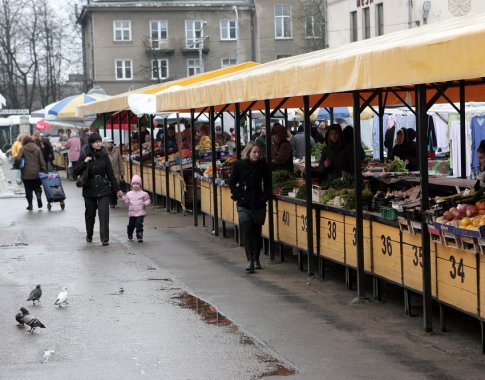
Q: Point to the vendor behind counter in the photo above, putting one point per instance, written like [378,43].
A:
[406,148]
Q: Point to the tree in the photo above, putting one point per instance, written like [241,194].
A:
[33,57]
[312,15]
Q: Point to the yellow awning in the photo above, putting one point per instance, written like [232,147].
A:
[440,52]
[120,102]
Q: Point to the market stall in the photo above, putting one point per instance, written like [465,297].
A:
[431,260]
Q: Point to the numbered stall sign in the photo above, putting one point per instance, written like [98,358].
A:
[457,278]
[351,243]
[287,223]
[386,253]
[332,236]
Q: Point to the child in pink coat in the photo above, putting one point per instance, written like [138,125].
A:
[137,201]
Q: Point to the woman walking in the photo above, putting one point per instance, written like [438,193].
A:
[249,184]
[100,183]
[34,163]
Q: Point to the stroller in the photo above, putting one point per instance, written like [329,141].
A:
[52,185]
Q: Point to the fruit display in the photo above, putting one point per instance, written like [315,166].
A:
[204,143]
[467,216]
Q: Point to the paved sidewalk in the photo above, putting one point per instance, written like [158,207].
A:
[308,325]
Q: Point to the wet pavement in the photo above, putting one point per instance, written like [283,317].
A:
[180,306]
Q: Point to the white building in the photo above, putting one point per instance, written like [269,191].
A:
[353,20]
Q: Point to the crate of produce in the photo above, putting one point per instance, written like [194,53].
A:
[388,213]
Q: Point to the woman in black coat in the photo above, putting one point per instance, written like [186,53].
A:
[334,159]
[406,148]
[97,191]
[249,184]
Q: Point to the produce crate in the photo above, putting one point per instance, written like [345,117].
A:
[415,227]
[379,203]
[388,213]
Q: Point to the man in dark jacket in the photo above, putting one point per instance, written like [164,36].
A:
[97,191]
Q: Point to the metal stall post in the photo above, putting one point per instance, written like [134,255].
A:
[268,160]
[152,147]
[167,172]
[195,206]
[462,131]
[212,125]
[308,183]
[120,134]
[141,153]
[250,129]
[130,161]
[381,127]
[112,130]
[237,126]
[422,127]
[359,215]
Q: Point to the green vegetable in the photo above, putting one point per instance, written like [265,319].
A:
[398,166]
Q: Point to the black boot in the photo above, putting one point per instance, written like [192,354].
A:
[38,194]
[130,233]
[246,229]
[29,207]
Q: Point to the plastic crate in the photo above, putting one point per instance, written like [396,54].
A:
[379,203]
[388,213]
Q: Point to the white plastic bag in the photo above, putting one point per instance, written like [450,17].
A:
[18,177]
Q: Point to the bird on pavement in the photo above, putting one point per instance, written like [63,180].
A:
[19,318]
[35,295]
[31,320]
[62,297]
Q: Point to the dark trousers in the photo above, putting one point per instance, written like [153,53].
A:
[71,174]
[252,239]
[135,222]
[32,186]
[102,205]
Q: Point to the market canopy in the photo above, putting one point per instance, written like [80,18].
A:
[445,51]
[148,95]
[68,107]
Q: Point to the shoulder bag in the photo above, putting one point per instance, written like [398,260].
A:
[82,180]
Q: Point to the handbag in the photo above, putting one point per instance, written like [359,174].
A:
[22,163]
[82,180]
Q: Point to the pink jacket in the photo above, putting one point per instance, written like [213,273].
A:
[74,146]
[135,201]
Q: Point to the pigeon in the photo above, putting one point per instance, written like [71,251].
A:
[62,297]
[19,318]
[35,295]
[30,320]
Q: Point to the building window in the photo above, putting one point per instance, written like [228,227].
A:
[159,68]
[123,68]
[313,21]
[353,26]
[194,34]
[226,62]
[379,19]
[122,30]
[193,67]
[158,33]
[282,15]
[366,23]
[228,30]
[281,56]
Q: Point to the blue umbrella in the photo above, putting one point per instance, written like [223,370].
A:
[338,112]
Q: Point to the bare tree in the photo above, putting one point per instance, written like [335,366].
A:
[312,16]
[34,57]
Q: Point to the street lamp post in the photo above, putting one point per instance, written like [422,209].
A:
[238,46]
[201,47]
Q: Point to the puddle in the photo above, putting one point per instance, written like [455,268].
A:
[209,314]
[13,245]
